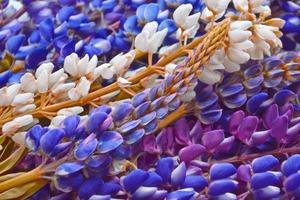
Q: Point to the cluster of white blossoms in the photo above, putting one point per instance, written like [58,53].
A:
[71,82]
[249,36]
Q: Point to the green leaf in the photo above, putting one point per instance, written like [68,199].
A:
[14,158]
[22,192]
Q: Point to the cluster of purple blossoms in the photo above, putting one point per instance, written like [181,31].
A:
[156,100]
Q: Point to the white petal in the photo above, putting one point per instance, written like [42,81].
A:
[170,67]
[92,64]
[119,62]
[238,56]
[236,36]
[70,64]
[45,66]
[42,82]
[265,34]
[191,20]
[110,95]
[26,108]
[191,32]
[57,121]
[83,65]
[231,66]
[122,82]
[83,86]
[188,96]
[209,77]
[130,57]
[62,88]
[157,40]
[215,67]
[263,45]
[12,91]
[240,25]
[70,111]
[28,83]
[243,45]
[256,53]
[150,27]
[19,138]
[206,14]
[181,13]
[141,41]
[74,94]
[241,5]
[217,57]
[55,77]
[217,5]
[22,99]
[105,71]
[24,120]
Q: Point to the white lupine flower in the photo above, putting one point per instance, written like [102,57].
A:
[150,39]
[266,37]
[24,108]
[62,88]
[17,123]
[123,83]
[23,99]
[170,67]
[184,20]
[81,89]
[209,74]
[215,9]
[117,65]
[239,44]
[7,94]
[70,111]
[19,138]
[80,67]
[57,121]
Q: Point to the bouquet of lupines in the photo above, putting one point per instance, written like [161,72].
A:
[174,100]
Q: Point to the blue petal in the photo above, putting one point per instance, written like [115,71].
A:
[159,195]
[130,25]
[134,180]
[264,179]
[292,182]
[255,101]
[220,187]
[4,77]
[168,24]
[210,116]
[140,12]
[141,109]
[99,162]
[109,141]
[284,96]
[129,126]
[162,112]
[148,118]
[33,137]
[264,163]
[122,110]
[110,189]
[196,182]
[86,147]
[47,29]
[153,180]
[139,99]
[164,168]
[60,148]
[67,169]
[144,193]
[291,165]
[100,197]
[269,192]
[109,4]
[221,171]
[134,136]
[104,108]
[70,125]
[14,43]
[69,183]
[178,175]
[65,13]
[151,127]
[90,187]
[182,194]
[95,121]
[50,139]
[76,20]
[36,56]
[151,12]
